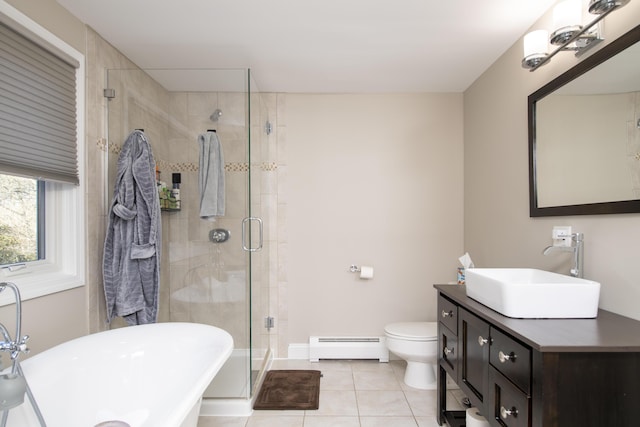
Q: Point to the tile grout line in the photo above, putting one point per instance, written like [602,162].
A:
[355,393]
[413,414]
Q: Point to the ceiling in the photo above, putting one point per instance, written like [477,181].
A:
[333,46]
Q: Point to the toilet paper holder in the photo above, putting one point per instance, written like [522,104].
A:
[365,271]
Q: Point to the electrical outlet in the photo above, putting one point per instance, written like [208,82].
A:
[561,235]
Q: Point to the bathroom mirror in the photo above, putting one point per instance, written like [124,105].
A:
[584,135]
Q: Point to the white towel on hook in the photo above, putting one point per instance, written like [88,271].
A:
[211,176]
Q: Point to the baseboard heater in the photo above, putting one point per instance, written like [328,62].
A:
[348,348]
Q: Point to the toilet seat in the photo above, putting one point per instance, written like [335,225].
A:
[413,331]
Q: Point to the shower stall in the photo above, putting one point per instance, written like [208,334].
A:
[213,271]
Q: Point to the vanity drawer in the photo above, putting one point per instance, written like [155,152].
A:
[473,362]
[511,358]
[509,406]
[448,314]
[448,344]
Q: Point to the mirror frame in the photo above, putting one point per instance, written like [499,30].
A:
[625,206]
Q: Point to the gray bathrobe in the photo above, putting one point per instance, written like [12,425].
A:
[131,265]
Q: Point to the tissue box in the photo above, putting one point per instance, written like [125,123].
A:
[460,275]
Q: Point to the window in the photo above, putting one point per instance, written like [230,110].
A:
[22,208]
[42,216]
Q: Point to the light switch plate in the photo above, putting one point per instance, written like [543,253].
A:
[561,235]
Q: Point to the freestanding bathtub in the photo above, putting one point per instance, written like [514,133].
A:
[142,376]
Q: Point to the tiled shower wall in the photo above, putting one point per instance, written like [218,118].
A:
[172,122]
[199,268]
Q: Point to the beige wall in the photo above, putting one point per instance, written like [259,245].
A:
[498,229]
[370,180]
[55,18]
[56,318]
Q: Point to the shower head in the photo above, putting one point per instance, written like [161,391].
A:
[216,115]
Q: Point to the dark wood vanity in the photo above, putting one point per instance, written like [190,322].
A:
[537,372]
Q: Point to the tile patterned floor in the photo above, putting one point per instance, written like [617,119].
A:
[352,394]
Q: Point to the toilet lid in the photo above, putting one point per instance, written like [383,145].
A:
[417,331]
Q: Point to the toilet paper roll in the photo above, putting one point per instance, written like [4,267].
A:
[475,419]
[366,272]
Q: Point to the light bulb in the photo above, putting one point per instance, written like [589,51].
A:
[536,42]
[567,13]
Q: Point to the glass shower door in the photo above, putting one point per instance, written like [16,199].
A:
[259,228]
[204,280]
[244,172]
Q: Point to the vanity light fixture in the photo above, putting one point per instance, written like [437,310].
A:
[569,33]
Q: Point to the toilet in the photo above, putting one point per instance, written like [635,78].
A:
[417,343]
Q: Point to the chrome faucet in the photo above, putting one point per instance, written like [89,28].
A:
[14,384]
[577,247]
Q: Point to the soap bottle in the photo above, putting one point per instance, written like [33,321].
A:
[164,194]
[176,178]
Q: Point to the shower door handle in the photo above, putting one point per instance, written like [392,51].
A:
[244,234]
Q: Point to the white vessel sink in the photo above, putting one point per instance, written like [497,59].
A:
[533,294]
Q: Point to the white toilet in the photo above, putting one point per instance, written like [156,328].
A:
[417,343]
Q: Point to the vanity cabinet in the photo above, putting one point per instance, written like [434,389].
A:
[537,372]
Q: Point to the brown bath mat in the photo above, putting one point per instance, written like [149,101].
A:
[289,389]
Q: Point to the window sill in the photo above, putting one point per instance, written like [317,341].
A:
[38,284]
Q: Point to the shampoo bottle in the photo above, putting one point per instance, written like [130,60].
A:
[176,178]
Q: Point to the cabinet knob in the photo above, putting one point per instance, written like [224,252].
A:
[447,351]
[504,357]
[482,341]
[504,412]
[447,313]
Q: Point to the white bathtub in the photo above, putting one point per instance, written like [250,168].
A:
[147,376]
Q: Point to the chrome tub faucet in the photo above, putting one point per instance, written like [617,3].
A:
[13,385]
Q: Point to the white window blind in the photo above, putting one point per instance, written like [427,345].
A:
[38,126]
